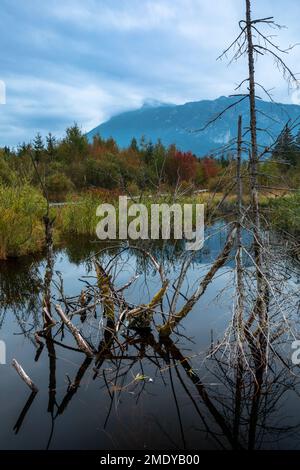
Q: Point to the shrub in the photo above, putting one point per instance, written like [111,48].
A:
[58,186]
[21,224]
[285,212]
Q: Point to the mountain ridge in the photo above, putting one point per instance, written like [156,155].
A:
[180,124]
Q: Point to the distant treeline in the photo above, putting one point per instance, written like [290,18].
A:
[72,164]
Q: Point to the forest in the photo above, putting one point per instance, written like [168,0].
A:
[72,170]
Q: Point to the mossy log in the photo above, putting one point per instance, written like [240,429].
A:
[141,317]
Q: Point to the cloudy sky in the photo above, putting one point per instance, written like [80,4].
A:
[73,60]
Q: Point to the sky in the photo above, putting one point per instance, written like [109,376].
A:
[66,61]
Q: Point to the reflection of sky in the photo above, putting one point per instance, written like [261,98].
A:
[84,61]
[145,419]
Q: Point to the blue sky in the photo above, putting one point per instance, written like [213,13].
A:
[70,60]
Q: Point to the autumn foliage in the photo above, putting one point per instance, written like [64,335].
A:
[210,167]
[73,164]
[180,166]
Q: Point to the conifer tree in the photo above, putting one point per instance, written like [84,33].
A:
[285,149]
[38,147]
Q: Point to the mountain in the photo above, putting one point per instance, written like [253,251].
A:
[179,123]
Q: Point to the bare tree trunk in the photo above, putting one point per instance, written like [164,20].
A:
[239,308]
[253,163]
[239,266]
[48,223]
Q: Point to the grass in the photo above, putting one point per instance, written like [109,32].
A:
[21,225]
[22,209]
[78,217]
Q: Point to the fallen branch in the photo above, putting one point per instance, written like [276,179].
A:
[140,317]
[24,376]
[168,327]
[107,293]
[82,344]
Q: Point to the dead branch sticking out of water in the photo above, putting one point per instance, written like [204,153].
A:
[82,344]
[168,327]
[106,292]
[24,376]
[142,316]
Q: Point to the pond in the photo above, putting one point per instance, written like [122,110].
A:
[142,393]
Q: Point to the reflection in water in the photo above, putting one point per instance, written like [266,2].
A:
[20,286]
[196,389]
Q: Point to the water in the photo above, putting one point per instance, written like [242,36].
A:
[143,395]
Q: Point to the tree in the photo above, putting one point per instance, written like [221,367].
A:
[51,146]
[285,149]
[134,145]
[75,145]
[38,147]
[148,153]
[210,167]
[180,166]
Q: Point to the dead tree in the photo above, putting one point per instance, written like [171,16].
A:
[252,42]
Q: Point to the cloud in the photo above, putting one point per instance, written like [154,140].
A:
[120,16]
[45,105]
[85,61]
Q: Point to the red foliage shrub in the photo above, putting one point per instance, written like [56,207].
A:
[180,166]
[210,167]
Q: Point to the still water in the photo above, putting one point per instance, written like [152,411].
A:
[141,395]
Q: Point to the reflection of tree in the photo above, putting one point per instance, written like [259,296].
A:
[253,379]
[251,402]
[238,415]
[20,285]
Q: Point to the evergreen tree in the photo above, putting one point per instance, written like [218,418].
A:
[51,146]
[24,149]
[134,145]
[298,147]
[285,149]
[74,146]
[38,147]
[7,150]
[148,155]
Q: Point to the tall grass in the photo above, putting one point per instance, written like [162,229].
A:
[78,216]
[22,209]
[21,224]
